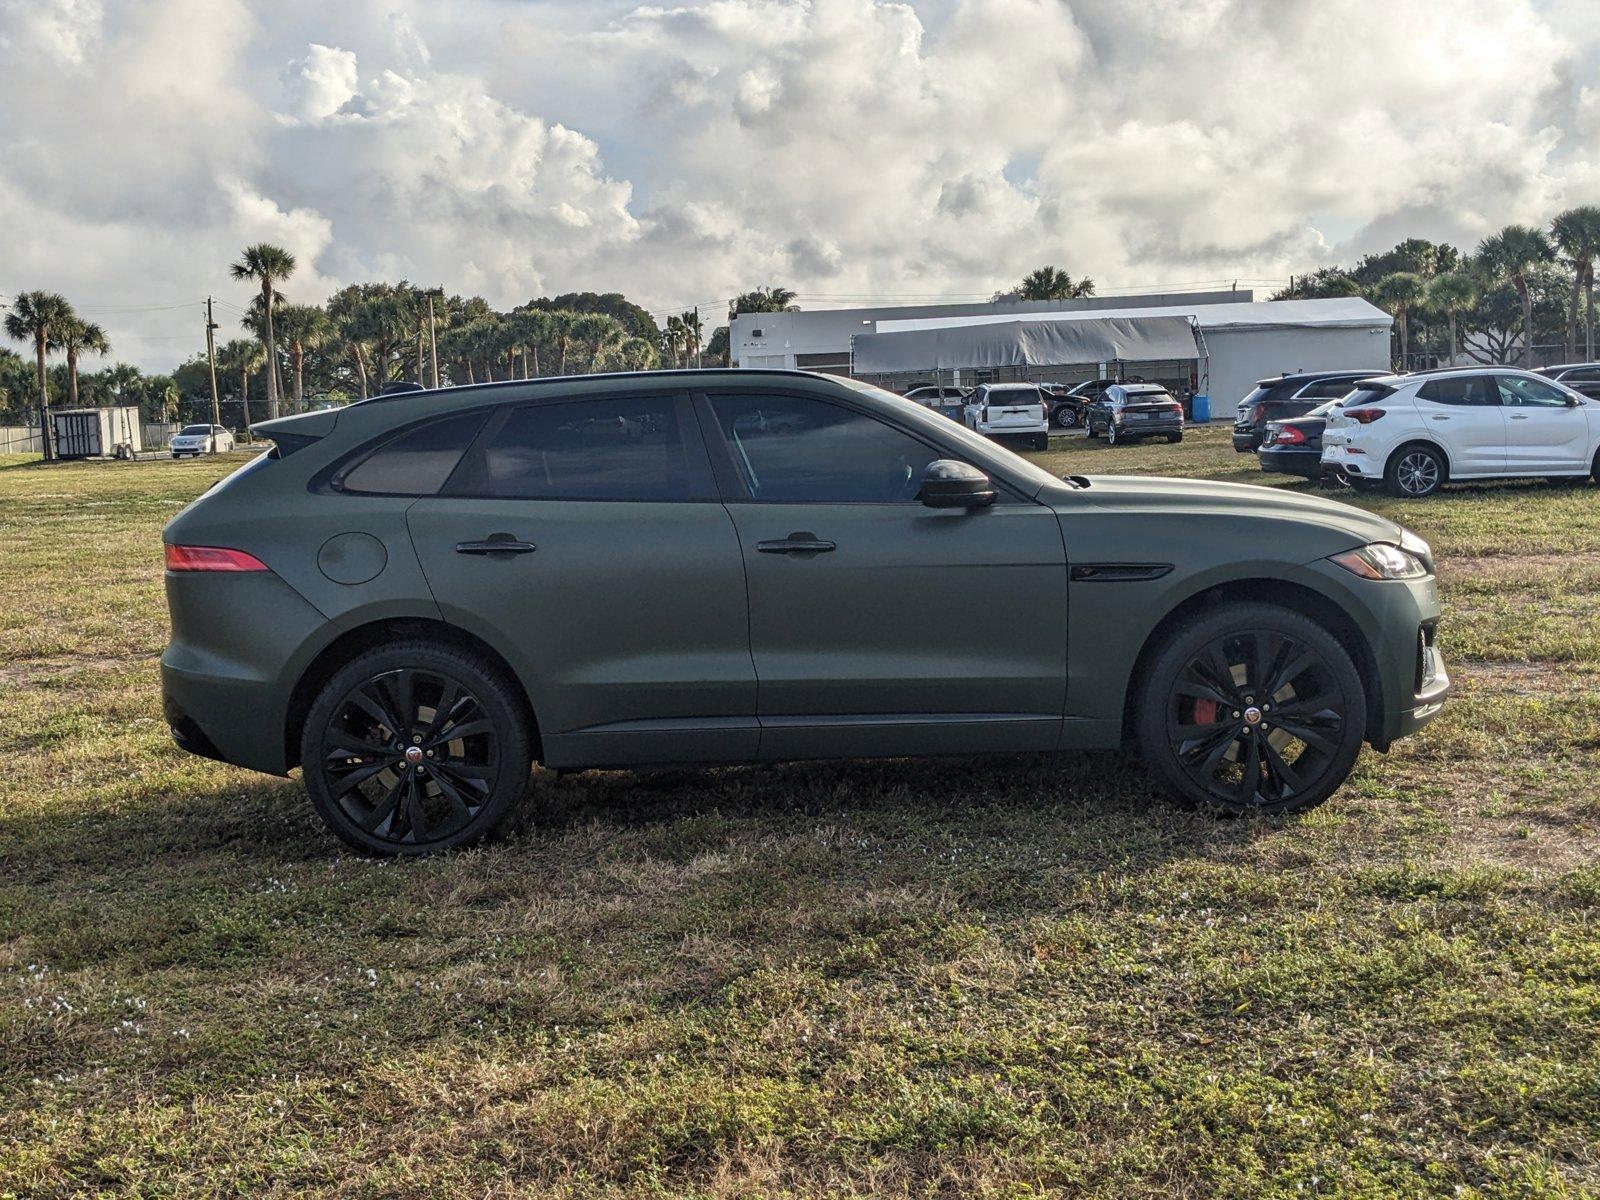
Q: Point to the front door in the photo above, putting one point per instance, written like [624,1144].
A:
[618,591]
[1462,413]
[1543,431]
[878,625]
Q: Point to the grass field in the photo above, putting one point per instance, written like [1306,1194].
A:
[989,978]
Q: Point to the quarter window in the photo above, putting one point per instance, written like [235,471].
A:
[1518,392]
[416,463]
[791,449]
[618,448]
[1470,391]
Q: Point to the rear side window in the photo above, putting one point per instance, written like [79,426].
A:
[1328,389]
[1470,391]
[617,448]
[1364,394]
[416,463]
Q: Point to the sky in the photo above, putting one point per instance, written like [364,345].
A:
[852,150]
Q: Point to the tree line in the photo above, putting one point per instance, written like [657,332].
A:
[1521,288]
[363,338]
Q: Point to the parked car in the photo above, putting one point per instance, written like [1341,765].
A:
[1294,446]
[200,439]
[1008,410]
[1067,407]
[1414,433]
[1287,396]
[1127,412]
[934,397]
[414,597]
[1580,377]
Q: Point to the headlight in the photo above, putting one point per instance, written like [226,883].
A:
[1380,560]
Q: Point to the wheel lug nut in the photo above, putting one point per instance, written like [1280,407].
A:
[1236,714]
[430,753]
[416,738]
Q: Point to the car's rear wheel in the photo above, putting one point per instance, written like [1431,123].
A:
[1414,472]
[1111,435]
[1251,708]
[1174,438]
[1040,441]
[416,747]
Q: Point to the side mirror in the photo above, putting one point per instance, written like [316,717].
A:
[951,484]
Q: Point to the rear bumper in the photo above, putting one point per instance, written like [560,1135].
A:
[1147,428]
[1002,431]
[1284,461]
[1244,441]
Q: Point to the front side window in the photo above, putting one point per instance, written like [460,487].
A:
[416,463]
[617,448]
[1469,391]
[792,449]
[1519,392]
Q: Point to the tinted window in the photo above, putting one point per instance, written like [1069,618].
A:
[1519,392]
[1582,375]
[1328,389]
[790,448]
[1282,391]
[1474,391]
[1366,395]
[417,462]
[618,448]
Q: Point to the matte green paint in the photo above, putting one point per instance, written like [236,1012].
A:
[650,633]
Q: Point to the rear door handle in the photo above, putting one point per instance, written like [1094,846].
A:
[1519,416]
[1438,418]
[796,543]
[496,544]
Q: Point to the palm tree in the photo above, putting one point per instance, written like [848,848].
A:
[599,336]
[692,334]
[1576,234]
[533,331]
[561,323]
[269,264]
[762,300]
[242,355]
[1047,283]
[40,318]
[1451,294]
[1397,294]
[637,354]
[304,328]
[673,337]
[1512,254]
[81,337]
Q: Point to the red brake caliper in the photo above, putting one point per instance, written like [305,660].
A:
[1205,712]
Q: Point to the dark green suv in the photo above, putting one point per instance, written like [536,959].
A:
[416,597]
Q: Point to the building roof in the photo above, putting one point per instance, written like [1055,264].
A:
[1343,312]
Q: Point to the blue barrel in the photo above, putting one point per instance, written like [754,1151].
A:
[1201,407]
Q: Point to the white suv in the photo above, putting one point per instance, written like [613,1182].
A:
[1413,433]
[1008,410]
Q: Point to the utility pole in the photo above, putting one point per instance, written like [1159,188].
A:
[695,334]
[433,343]
[211,361]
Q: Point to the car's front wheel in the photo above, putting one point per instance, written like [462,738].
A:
[1066,417]
[416,747]
[1251,708]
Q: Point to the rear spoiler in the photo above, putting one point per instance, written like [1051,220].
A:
[289,434]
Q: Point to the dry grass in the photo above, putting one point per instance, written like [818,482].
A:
[991,978]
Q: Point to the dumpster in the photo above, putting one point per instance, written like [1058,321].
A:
[97,432]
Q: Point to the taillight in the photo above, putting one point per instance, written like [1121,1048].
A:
[1258,413]
[1290,436]
[211,558]
[1364,416]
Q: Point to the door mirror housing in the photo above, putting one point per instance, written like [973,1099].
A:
[951,484]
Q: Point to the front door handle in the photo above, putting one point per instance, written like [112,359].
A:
[495,545]
[1519,416]
[1438,418]
[796,543]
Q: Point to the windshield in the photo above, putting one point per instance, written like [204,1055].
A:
[191,430]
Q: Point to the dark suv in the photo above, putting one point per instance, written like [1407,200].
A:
[1580,377]
[415,597]
[1286,396]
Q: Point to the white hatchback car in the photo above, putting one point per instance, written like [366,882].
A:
[200,439]
[1414,433]
[1008,410]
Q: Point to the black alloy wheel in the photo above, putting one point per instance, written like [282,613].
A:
[415,748]
[1252,708]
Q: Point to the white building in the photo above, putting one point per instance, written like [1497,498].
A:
[820,340]
[1234,344]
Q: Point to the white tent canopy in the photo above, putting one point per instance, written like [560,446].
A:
[1013,342]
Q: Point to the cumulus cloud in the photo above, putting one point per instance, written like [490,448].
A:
[684,152]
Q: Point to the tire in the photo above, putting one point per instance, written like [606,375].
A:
[1414,472]
[421,791]
[1111,436]
[1088,430]
[1040,441]
[1174,438]
[1065,417]
[1194,745]
[1594,467]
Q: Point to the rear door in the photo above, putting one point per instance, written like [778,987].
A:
[1543,431]
[1462,413]
[879,625]
[620,593]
